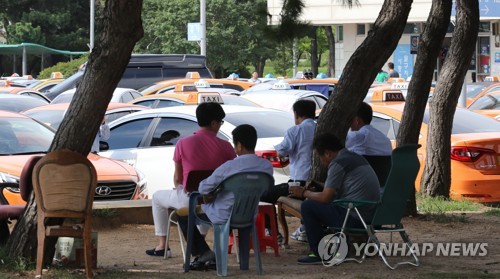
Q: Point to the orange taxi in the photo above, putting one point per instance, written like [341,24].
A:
[488,104]
[476,90]
[22,137]
[168,85]
[188,97]
[475,149]
[53,114]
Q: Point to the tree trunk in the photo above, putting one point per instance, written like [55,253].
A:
[314,51]
[360,71]
[331,51]
[437,171]
[418,89]
[122,28]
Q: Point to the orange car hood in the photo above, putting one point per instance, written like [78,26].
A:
[107,169]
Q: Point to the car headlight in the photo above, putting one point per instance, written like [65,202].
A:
[5,177]
[143,182]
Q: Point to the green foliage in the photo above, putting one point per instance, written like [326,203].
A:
[21,32]
[18,265]
[66,68]
[235,31]
[61,24]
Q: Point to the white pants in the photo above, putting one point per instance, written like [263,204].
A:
[162,201]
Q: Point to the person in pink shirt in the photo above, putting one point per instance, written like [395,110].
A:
[201,151]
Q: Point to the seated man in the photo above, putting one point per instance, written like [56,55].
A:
[349,176]
[218,211]
[363,138]
[201,151]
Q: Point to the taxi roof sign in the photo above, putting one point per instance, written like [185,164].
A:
[388,96]
[56,75]
[400,85]
[202,84]
[281,85]
[491,78]
[4,83]
[197,98]
[185,88]
[391,80]
[192,75]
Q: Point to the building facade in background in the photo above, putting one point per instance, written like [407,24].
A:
[352,26]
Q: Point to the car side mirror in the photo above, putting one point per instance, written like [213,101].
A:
[103,146]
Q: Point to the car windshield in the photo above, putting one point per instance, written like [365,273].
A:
[23,136]
[269,124]
[486,102]
[51,118]
[474,89]
[466,121]
[19,103]
[63,98]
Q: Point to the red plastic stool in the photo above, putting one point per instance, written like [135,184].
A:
[265,209]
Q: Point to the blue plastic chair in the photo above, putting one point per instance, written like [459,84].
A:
[247,188]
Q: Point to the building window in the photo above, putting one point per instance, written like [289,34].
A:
[340,33]
[412,28]
[484,26]
[361,29]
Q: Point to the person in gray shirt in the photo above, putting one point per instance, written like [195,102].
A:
[349,176]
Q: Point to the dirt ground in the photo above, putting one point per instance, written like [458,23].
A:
[122,248]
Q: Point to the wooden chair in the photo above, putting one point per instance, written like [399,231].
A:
[9,212]
[64,182]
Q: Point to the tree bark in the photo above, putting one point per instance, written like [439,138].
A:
[331,50]
[121,29]
[360,71]
[314,51]
[418,89]
[437,171]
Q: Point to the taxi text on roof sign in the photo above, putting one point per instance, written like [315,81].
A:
[202,84]
[281,85]
[393,96]
[400,85]
[198,98]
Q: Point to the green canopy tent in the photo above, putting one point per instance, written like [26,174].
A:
[26,49]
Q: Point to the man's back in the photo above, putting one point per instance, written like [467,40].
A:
[202,151]
[368,141]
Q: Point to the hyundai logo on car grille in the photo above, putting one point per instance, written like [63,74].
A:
[103,190]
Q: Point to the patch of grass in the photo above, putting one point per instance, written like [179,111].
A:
[14,265]
[493,212]
[440,205]
[446,218]
[105,212]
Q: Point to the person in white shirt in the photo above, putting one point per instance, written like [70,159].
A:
[363,138]
[219,210]
[255,78]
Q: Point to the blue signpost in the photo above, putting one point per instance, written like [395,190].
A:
[487,8]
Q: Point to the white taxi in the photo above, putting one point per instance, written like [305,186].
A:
[137,138]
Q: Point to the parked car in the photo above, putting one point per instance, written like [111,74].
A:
[282,97]
[22,137]
[120,95]
[24,91]
[52,115]
[144,70]
[137,138]
[178,99]
[168,85]
[475,150]
[488,104]
[43,85]
[18,103]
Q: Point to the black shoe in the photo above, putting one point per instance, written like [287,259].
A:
[154,252]
[198,265]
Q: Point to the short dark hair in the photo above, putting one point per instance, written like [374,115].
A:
[208,112]
[246,135]
[305,108]
[365,112]
[325,142]
[390,65]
